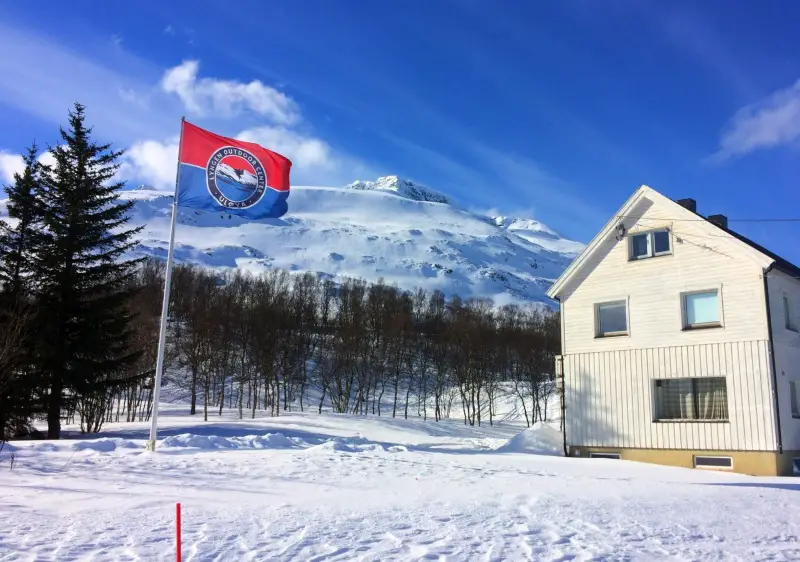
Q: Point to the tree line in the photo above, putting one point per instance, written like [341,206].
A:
[265,342]
[79,323]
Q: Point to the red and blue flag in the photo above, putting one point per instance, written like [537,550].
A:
[242,178]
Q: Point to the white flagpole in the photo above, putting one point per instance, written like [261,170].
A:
[162,334]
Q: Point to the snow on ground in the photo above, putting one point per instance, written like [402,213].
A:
[328,487]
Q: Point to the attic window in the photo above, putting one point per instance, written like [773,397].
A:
[650,244]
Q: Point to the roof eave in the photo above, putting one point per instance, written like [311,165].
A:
[557,287]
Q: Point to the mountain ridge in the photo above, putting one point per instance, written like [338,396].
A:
[387,229]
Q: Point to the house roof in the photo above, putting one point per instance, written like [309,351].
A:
[777,261]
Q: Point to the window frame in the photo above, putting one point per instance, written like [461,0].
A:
[598,334]
[656,413]
[651,245]
[610,456]
[794,400]
[788,318]
[685,326]
[712,467]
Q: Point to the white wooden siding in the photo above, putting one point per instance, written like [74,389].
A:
[609,397]
[703,257]
[787,351]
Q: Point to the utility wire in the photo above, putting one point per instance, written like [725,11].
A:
[705,220]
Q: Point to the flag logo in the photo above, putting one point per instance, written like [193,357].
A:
[235,178]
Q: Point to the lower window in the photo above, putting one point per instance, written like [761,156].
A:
[703,398]
[604,456]
[713,462]
[796,466]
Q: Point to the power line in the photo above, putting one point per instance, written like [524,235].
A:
[706,220]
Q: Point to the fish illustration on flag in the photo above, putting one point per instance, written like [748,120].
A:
[241,178]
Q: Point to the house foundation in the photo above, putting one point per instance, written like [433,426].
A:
[754,463]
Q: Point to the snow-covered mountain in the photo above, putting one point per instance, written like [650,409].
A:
[539,234]
[241,176]
[402,187]
[393,229]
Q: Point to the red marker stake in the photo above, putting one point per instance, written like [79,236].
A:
[178,532]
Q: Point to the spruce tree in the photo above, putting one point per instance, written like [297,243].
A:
[18,396]
[82,277]
[15,241]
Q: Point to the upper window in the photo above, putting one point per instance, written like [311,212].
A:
[701,309]
[650,244]
[791,323]
[611,319]
[702,398]
[793,399]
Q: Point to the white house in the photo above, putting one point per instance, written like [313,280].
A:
[680,343]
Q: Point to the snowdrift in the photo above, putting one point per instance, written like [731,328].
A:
[541,439]
[275,441]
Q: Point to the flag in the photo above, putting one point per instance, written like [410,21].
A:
[221,174]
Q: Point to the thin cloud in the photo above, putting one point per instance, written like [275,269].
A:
[689,32]
[45,78]
[527,182]
[768,123]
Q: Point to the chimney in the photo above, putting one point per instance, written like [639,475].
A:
[688,203]
[719,220]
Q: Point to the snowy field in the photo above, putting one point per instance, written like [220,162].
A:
[311,487]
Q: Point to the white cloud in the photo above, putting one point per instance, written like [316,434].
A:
[135,104]
[304,152]
[770,122]
[314,162]
[47,158]
[227,98]
[13,163]
[9,165]
[152,163]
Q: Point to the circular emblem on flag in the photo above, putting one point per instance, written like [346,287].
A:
[235,178]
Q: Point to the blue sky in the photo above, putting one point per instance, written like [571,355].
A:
[555,110]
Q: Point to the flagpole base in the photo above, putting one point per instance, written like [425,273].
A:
[151,445]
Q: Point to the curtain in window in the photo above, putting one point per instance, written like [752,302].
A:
[692,399]
[677,399]
[712,399]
